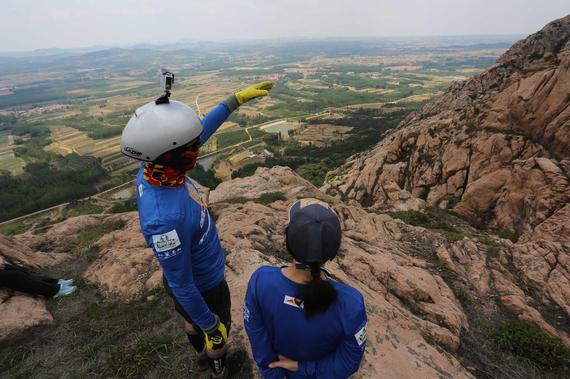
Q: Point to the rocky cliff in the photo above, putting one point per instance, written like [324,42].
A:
[415,320]
[422,287]
[494,148]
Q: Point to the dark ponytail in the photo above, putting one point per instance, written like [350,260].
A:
[319,294]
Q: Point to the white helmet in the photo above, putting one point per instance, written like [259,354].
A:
[155,129]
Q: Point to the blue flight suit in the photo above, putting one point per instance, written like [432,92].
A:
[177,225]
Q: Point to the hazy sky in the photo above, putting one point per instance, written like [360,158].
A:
[34,24]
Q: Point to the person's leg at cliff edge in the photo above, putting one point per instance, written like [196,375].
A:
[20,279]
[214,356]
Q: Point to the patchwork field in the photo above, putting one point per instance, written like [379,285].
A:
[320,134]
[8,160]
[68,140]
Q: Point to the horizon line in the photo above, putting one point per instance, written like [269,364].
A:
[254,40]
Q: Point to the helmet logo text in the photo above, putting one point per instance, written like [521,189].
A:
[132,151]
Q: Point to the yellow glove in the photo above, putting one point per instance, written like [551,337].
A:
[251,92]
[217,337]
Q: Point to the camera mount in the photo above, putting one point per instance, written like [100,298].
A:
[166,81]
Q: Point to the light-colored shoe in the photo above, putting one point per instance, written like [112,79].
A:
[65,290]
[67,282]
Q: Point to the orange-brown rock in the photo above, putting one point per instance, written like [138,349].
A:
[125,266]
[416,323]
[494,147]
[20,254]
[410,309]
[21,312]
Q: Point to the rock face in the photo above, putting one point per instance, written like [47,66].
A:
[416,323]
[495,147]
[20,254]
[412,312]
[21,312]
[125,266]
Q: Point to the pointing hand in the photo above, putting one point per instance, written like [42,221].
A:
[251,92]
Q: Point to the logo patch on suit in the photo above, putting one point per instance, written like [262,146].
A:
[166,241]
[361,336]
[294,302]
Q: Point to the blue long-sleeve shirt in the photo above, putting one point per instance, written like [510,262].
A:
[329,345]
[177,225]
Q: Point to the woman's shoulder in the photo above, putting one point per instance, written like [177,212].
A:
[266,272]
[266,280]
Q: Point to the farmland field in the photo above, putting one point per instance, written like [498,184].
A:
[8,160]
[320,134]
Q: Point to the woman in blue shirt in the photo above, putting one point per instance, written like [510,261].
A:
[300,322]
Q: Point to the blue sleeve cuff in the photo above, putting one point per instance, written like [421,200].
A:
[211,323]
[232,103]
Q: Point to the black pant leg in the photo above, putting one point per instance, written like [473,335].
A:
[23,281]
[49,280]
[220,302]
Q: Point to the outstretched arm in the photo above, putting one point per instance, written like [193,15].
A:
[216,117]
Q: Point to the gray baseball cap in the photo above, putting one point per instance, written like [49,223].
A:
[314,231]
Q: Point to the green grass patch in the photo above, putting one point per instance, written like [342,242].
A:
[446,222]
[525,340]
[414,218]
[237,200]
[117,334]
[431,219]
[14,228]
[462,295]
[265,198]
[108,339]
[270,197]
[508,235]
[124,206]
[89,235]
[78,208]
